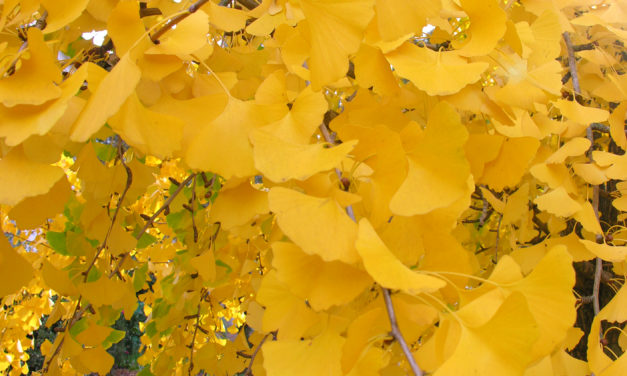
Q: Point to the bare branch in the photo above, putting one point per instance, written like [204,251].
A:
[396,333]
[249,370]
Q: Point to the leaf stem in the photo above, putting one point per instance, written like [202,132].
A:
[249,370]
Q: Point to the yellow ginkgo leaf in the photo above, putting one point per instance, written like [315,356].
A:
[481,149]
[500,347]
[335,31]
[20,122]
[548,291]
[22,178]
[386,269]
[190,35]
[222,145]
[15,271]
[606,251]
[95,359]
[33,211]
[297,213]
[322,284]
[617,125]
[280,160]
[148,131]
[93,335]
[573,148]
[487,26]
[107,99]
[238,205]
[284,310]
[319,356]
[581,114]
[438,169]
[227,19]
[437,73]
[58,280]
[124,26]
[373,70]
[398,18]
[588,219]
[36,81]
[61,13]
[511,164]
[558,202]
[205,264]
[590,172]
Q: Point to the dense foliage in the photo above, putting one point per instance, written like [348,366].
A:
[313,187]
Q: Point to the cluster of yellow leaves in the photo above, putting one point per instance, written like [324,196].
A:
[260,173]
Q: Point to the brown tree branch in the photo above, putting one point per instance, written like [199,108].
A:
[129,181]
[396,333]
[572,65]
[191,346]
[249,370]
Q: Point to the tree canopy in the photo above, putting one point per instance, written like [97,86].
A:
[315,187]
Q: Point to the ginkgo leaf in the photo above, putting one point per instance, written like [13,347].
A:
[438,169]
[398,18]
[15,271]
[590,172]
[617,125]
[190,35]
[95,359]
[284,311]
[511,164]
[322,284]
[61,13]
[606,251]
[558,202]
[58,280]
[581,114]
[124,25]
[386,269]
[205,264]
[280,160]
[33,211]
[148,131]
[297,213]
[20,122]
[227,19]
[238,205]
[574,147]
[319,356]
[335,31]
[547,290]
[487,26]
[373,70]
[36,81]
[24,178]
[588,218]
[500,347]
[481,149]
[107,99]
[222,145]
[437,73]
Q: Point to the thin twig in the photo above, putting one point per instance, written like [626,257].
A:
[191,346]
[249,370]
[165,205]
[164,29]
[572,64]
[330,139]
[498,236]
[151,220]
[396,333]
[193,203]
[129,181]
